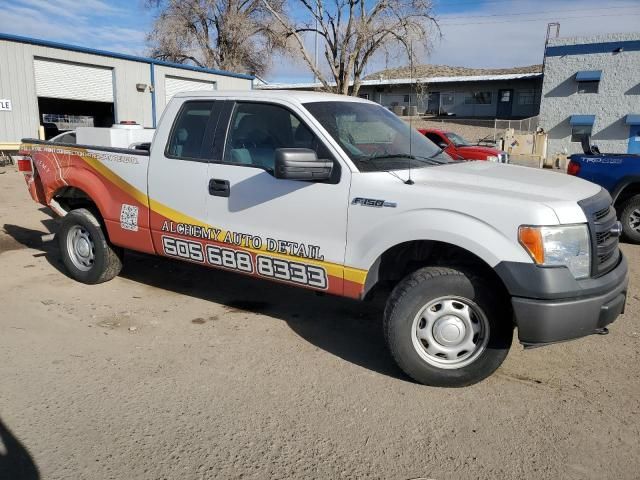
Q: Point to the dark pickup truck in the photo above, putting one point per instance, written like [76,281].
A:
[617,173]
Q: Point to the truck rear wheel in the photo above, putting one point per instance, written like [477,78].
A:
[630,219]
[86,252]
[447,328]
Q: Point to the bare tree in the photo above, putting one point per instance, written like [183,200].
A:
[352,31]
[236,35]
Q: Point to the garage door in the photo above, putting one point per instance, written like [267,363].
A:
[173,85]
[73,81]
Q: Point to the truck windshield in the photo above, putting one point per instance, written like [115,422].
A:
[457,140]
[374,138]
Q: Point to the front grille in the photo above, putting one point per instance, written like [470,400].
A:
[602,218]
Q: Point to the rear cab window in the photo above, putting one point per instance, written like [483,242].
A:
[195,123]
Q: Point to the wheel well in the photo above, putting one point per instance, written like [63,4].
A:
[70,198]
[402,259]
[627,192]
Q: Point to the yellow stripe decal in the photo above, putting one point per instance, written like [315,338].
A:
[334,269]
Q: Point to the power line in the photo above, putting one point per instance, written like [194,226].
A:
[443,24]
[449,3]
[534,13]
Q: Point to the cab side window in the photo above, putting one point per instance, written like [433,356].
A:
[258,129]
[188,133]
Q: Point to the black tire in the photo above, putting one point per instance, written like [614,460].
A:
[627,220]
[105,260]
[489,307]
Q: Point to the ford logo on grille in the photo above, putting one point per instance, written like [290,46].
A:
[616,230]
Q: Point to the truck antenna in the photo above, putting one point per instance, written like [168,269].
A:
[409,181]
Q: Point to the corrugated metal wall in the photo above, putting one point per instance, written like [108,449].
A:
[17,83]
[222,82]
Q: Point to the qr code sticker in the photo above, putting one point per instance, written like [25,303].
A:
[129,217]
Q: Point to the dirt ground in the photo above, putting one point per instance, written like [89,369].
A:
[175,372]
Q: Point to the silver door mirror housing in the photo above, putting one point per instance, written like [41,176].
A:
[301,164]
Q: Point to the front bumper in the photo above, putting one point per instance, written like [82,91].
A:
[544,318]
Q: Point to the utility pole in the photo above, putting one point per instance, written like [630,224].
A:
[315,54]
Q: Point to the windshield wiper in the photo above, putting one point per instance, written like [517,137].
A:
[429,160]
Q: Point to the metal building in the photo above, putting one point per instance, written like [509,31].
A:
[45,83]
[508,93]
[592,86]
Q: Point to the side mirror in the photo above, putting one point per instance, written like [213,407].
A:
[301,164]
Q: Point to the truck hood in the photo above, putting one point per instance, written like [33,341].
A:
[511,183]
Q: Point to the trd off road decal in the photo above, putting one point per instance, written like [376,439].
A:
[253,261]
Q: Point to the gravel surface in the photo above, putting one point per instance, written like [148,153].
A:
[171,371]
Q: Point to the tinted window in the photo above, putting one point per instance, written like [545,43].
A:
[435,138]
[478,98]
[258,129]
[187,135]
[588,86]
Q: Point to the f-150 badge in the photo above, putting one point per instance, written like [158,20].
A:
[372,202]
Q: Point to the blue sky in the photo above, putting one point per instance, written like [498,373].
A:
[475,33]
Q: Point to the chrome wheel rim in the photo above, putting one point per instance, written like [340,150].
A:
[634,220]
[82,250]
[450,332]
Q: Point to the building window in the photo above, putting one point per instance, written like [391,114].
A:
[448,99]
[478,98]
[407,98]
[588,81]
[364,95]
[588,87]
[526,97]
[579,131]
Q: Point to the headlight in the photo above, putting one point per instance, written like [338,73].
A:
[492,158]
[562,245]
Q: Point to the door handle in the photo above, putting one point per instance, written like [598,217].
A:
[219,188]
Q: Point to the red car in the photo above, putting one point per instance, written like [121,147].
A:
[459,149]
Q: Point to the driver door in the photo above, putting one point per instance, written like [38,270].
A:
[294,231]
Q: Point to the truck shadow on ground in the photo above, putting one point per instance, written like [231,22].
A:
[15,460]
[346,328]
[349,329]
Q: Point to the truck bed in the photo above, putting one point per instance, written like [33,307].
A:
[116,178]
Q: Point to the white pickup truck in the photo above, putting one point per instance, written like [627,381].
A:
[337,194]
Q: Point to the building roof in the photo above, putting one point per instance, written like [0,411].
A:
[406,81]
[122,56]
[438,71]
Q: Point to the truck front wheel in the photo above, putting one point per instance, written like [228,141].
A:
[447,328]
[86,252]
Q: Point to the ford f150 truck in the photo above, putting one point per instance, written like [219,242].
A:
[338,195]
[619,174]
[459,149]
